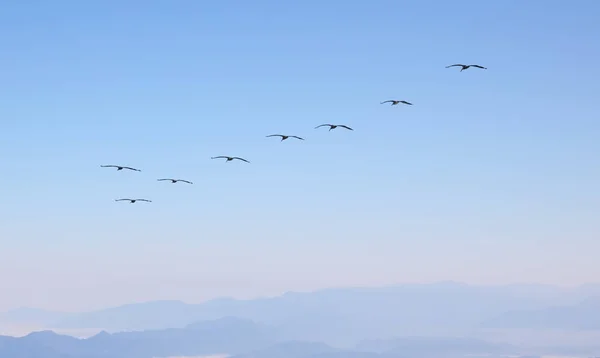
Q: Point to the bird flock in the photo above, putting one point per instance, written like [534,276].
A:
[283,137]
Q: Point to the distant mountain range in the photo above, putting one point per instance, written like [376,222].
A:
[582,316]
[241,338]
[227,335]
[345,316]
[231,336]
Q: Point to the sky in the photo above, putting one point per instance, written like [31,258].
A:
[490,177]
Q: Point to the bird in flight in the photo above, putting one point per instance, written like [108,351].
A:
[134,200]
[395,102]
[229,158]
[120,167]
[284,137]
[334,126]
[464,67]
[175,180]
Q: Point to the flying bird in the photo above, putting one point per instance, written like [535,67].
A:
[120,167]
[464,67]
[230,158]
[395,102]
[134,200]
[175,180]
[284,137]
[334,126]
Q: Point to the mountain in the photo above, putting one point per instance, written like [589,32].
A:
[229,335]
[345,316]
[582,316]
[30,347]
[134,316]
[243,339]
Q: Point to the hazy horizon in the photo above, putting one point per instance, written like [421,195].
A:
[310,290]
[425,318]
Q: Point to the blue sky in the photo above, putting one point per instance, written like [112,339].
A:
[491,177]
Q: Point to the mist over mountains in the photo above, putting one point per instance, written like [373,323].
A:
[417,320]
[343,317]
[241,338]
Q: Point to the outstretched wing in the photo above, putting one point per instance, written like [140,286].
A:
[220,156]
[146,200]
[405,102]
[455,65]
[275,135]
[242,159]
[130,168]
[388,101]
[109,166]
[185,181]
[485,68]
[295,136]
[324,125]
[345,126]
[122,199]
[163,179]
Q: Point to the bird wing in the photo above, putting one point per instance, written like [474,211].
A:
[295,136]
[275,135]
[324,125]
[163,179]
[405,102]
[185,181]
[149,201]
[388,101]
[458,64]
[344,126]
[122,199]
[220,156]
[485,68]
[238,158]
[109,166]
[130,168]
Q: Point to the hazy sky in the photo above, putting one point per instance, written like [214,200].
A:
[491,177]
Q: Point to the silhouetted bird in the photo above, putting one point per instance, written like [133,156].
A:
[395,102]
[175,180]
[134,200]
[230,158]
[334,126]
[119,167]
[464,67]
[284,137]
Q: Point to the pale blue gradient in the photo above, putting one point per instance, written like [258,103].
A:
[492,176]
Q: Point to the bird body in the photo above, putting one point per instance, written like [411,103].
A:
[230,158]
[284,137]
[175,180]
[334,126]
[132,201]
[120,167]
[395,102]
[464,67]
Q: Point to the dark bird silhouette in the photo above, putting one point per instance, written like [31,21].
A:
[464,67]
[120,167]
[395,102]
[284,137]
[134,200]
[230,158]
[334,126]
[175,180]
